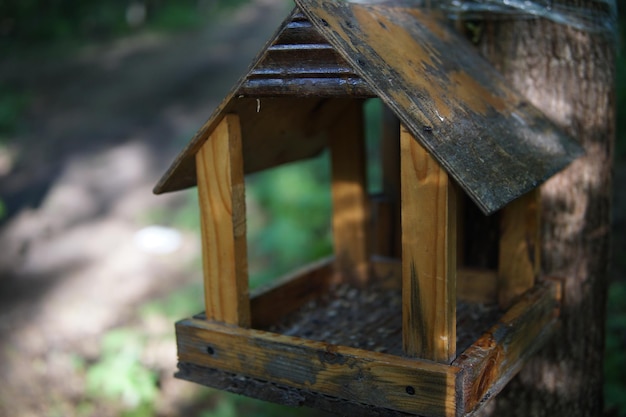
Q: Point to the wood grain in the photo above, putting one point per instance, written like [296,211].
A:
[391,382]
[488,138]
[519,247]
[491,362]
[301,62]
[428,254]
[350,217]
[281,394]
[290,292]
[221,194]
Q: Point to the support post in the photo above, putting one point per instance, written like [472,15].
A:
[428,255]
[221,192]
[349,195]
[519,252]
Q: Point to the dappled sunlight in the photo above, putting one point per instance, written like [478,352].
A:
[88,293]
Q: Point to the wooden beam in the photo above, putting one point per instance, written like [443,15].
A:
[392,382]
[519,252]
[381,215]
[473,285]
[290,292]
[349,193]
[494,359]
[428,255]
[221,192]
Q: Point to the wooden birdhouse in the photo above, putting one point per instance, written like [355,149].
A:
[402,319]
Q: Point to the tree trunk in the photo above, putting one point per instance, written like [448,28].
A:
[569,74]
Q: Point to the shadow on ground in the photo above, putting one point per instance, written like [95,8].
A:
[104,124]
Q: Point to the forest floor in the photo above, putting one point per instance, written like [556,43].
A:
[103,125]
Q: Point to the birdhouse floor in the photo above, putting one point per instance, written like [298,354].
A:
[371,318]
[339,348]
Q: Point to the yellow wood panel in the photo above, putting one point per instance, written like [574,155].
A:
[519,253]
[392,382]
[221,192]
[349,193]
[428,255]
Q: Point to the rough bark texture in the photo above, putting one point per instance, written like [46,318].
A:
[570,76]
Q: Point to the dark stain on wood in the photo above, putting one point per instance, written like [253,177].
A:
[492,142]
[446,85]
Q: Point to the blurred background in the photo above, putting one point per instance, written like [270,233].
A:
[96,99]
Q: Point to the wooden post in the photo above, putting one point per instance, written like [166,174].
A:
[428,255]
[221,191]
[349,194]
[519,253]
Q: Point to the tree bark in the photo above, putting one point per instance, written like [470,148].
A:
[569,75]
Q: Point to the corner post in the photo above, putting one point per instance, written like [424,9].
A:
[349,195]
[221,192]
[428,254]
[519,247]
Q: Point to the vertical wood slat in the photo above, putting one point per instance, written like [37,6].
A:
[221,192]
[349,195]
[428,255]
[519,251]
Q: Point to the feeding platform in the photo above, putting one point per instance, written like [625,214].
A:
[434,297]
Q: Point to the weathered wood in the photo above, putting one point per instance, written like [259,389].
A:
[477,285]
[519,250]
[490,140]
[402,384]
[350,218]
[299,61]
[473,285]
[287,294]
[500,353]
[276,131]
[577,90]
[382,219]
[428,254]
[221,194]
[280,394]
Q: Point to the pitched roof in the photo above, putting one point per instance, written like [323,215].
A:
[488,138]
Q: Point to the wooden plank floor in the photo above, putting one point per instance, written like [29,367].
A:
[371,318]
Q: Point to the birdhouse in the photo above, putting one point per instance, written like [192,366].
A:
[404,318]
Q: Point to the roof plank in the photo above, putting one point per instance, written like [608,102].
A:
[492,141]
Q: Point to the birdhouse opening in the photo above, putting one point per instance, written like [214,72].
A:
[360,287]
[288,218]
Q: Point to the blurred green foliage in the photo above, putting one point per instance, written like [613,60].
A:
[120,375]
[615,357]
[32,21]
[288,218]
[288,207]
[13,104]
